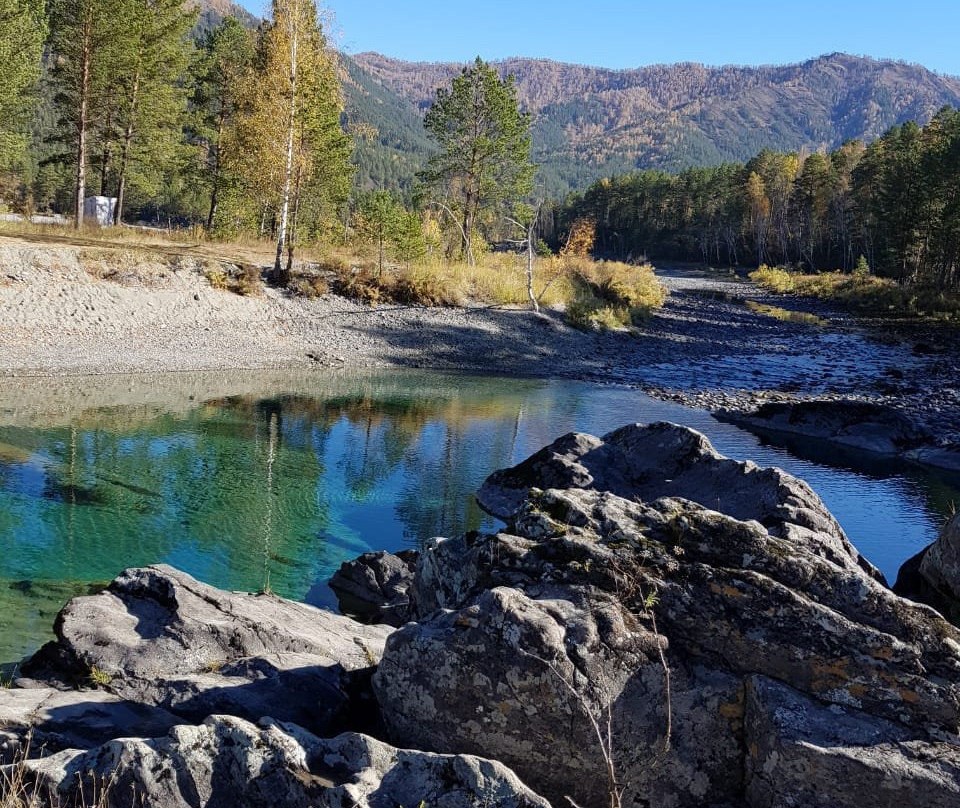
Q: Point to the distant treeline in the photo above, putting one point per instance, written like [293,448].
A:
[896,202]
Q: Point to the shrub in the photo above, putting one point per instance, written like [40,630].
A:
[612,295]
[418,287]
[779,280]
[309,287]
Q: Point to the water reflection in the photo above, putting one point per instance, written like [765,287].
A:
[251,481]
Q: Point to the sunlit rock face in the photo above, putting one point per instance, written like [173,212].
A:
[647,585]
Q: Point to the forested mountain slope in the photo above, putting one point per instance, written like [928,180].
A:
[591,122]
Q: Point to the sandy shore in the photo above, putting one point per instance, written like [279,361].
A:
[72,311]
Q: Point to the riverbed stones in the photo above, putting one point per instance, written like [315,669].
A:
[613,599]
[227,761]
[160,637]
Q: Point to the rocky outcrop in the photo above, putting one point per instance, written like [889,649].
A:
[49,720]
[933,575]
[645,584]
[801,752]
[858,424]
[663,460]
[159,637]
[227,761]
[374,587]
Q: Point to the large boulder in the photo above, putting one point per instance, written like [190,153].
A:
[615,605]
[159,637]
[666,460]
[228,762]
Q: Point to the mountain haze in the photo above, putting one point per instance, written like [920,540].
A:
[591,122]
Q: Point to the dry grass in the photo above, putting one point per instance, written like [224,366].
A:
[610,295]
[243,280]
[19,790]
[863,292]
[594,293]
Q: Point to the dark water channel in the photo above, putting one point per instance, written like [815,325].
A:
[250,481]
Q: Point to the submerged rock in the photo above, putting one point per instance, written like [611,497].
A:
[374,587]
[230,762]
[615,598]
[159,637]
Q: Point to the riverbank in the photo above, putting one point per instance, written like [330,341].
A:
[717,344]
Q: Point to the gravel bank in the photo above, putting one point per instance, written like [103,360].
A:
[66,311]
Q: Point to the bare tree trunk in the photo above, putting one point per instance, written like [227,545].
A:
[82,112]
[283,277]
[530,255]
[125,152]
[215,193]
[291,239]
[467,228]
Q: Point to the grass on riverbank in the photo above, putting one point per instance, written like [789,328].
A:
[594,294]
[866,293]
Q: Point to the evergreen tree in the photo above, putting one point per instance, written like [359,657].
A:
[224,60]
[484,141]
[84,34]
[22,31]
[152,56]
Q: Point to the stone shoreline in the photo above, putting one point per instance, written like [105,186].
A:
[705,348]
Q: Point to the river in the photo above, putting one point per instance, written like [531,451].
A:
[267,480]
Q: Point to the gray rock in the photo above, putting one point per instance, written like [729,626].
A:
[803,753]
[667,460]
[526,638]
[932,576]
[858,424]
[374,587]
[227,762]
[160,637]
[48,720]
[940,564]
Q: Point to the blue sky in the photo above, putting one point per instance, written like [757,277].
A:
[619,33]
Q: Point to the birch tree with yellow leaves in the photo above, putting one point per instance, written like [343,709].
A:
[298,154]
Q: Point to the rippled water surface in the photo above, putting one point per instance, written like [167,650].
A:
[250,481]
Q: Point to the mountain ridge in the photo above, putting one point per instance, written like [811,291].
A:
[590,122]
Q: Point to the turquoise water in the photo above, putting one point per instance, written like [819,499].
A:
[254,481]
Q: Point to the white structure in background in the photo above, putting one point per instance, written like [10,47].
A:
[99,209]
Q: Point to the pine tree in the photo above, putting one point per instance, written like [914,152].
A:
[22,31]
[83,34]
[222,66]
[153,56]
[484,141]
